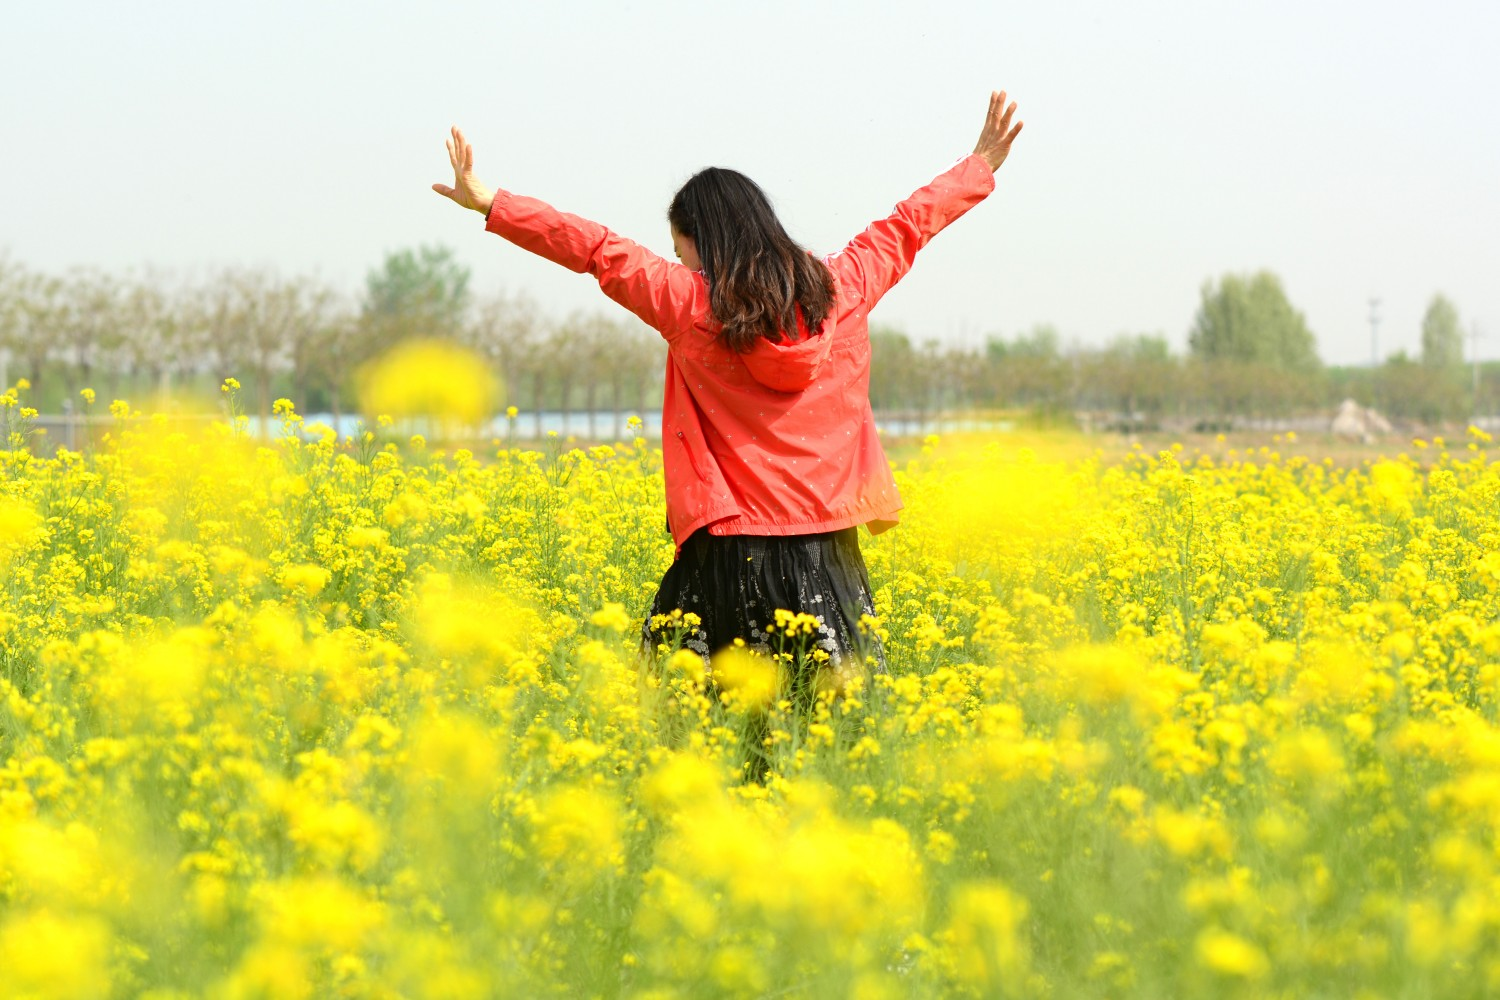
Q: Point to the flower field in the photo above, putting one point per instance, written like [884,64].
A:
[293,719]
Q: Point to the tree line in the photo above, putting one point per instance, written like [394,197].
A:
[301,338]
[1250,353]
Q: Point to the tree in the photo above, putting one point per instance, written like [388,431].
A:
[891,364]
[963,376]
[199,328]
[532,362]
[632,358]
[331,352]
[598,337]
[1134,375]
[926,379]
[1249,319]
[1442,340]
[1415,390]
[152,327]
[1030,371]
[87,326]
[503,327]
[315,339]
[251,326]
[416,293]
[13,284]
[564,349]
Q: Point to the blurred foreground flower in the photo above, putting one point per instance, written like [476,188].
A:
[429,378]
[747,680]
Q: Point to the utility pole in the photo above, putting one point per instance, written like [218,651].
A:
[1374,332]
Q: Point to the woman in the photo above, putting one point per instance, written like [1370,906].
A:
[769,448]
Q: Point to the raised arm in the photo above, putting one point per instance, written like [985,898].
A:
[661,292]
[881,255]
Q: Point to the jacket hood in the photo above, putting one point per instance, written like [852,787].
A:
[790,367]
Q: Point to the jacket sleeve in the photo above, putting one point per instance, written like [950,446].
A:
[881,255]
[659,291]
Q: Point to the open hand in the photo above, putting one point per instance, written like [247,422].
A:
[997,135]
[466,190]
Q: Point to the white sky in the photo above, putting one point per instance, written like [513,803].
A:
[1353,148]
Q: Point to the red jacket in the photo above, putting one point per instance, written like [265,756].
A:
[779,440]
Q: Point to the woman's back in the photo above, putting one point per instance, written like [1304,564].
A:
[777,439]
[780,438]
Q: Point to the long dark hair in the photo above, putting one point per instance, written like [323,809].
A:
[757,275]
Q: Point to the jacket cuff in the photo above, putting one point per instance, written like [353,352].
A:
[492,220]
[976,168]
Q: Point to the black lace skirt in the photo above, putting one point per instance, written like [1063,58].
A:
[735,584]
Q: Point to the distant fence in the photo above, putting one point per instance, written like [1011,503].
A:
[73,431]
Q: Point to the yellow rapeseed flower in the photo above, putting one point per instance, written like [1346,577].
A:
[457,751]
[986,936]
[747,680]
[1307,755]
[1230,955]
[429,378]
[52,955]
[18,525]
[304,579]
[612,616]
[319,912]
[578,830]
